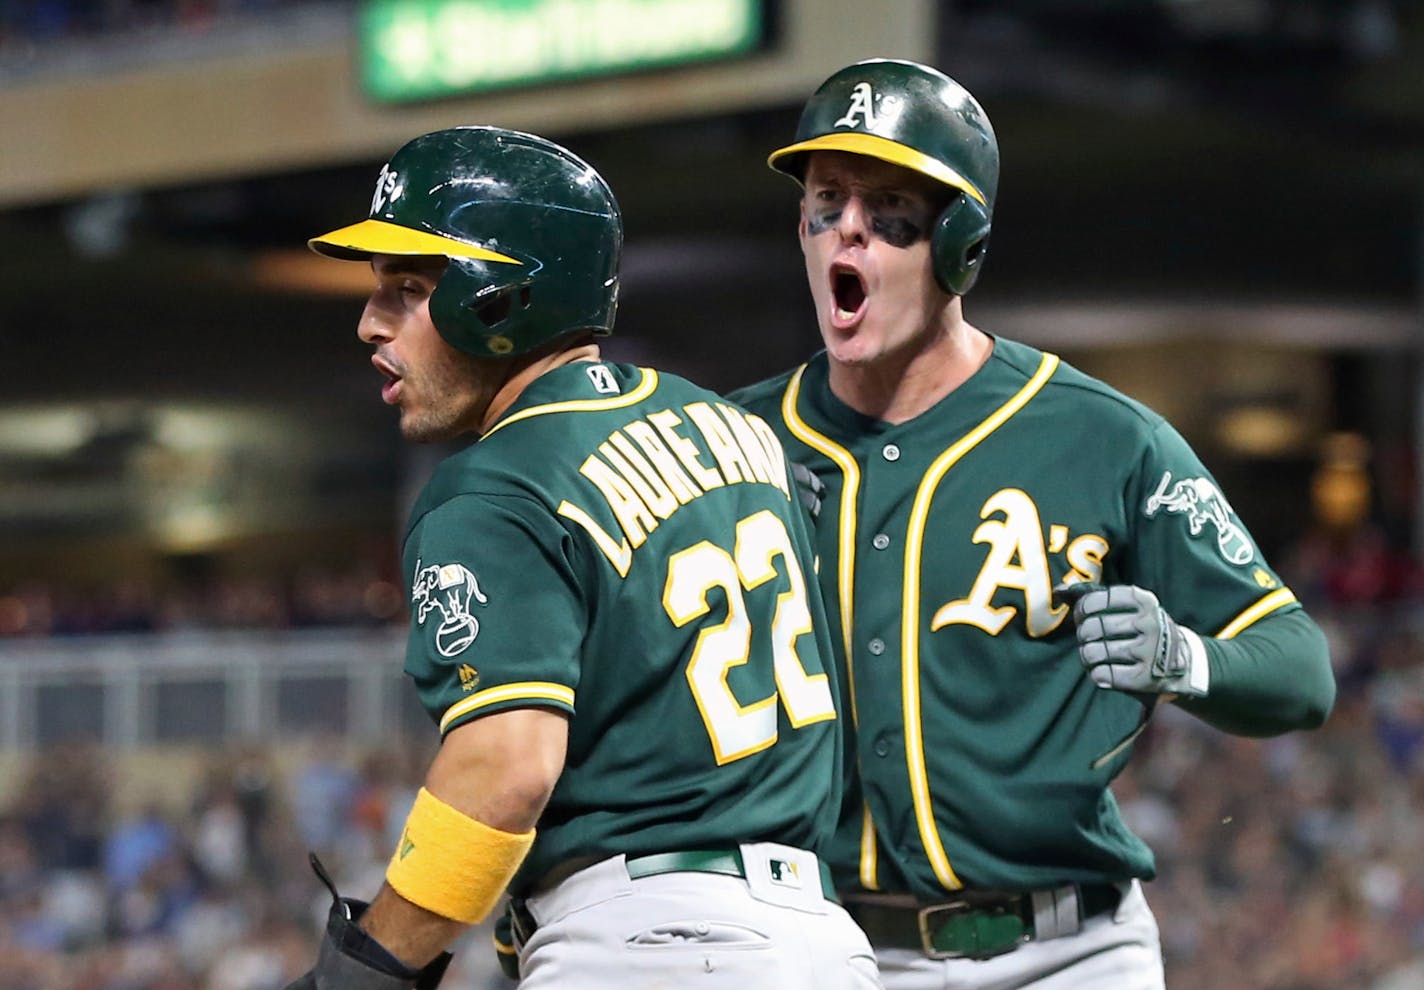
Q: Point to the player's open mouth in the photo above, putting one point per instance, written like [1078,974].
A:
[847,294]
[390,391]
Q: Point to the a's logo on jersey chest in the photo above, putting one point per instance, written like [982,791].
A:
[1021,548]
[449,590]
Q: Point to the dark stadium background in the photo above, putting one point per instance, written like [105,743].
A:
[1216,205]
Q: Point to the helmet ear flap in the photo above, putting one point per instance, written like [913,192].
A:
[959,243]
[469,310]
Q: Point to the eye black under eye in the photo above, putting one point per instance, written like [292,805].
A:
[896,231]
[818,223]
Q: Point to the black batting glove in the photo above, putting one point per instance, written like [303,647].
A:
[350,959]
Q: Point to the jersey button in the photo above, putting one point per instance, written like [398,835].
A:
[880,542]
[876,646]
[891,452]
[882,748]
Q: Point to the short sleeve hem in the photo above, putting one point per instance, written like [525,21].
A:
[523,694]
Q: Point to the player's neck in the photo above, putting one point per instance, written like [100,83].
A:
[525,371]
[900,385]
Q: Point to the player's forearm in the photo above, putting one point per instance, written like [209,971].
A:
[408,931]
[468,832]
[1273,677]
[501,769]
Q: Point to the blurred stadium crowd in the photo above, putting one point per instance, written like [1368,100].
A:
[312,598]
[215,894]
[1285,864]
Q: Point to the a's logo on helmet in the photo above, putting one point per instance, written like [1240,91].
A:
[388,188]
[448,589]
[1204,505]
[862,105]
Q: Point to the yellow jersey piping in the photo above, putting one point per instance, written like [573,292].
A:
[845,573]
[519,691]
[910,629]
[1277,599]
[645,388]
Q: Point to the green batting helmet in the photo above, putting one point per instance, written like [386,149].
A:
[532,233]
[916,117]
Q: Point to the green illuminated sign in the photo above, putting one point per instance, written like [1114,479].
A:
[417,49]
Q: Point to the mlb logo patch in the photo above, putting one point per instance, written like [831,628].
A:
[603,381]
[785,873]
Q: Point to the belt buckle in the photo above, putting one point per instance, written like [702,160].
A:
[972,932]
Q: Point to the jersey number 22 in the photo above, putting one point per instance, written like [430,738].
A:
[737,729]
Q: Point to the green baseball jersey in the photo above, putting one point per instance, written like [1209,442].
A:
[984,751]
[627,548]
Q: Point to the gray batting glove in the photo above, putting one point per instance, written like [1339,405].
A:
[809,489]
[1128,642]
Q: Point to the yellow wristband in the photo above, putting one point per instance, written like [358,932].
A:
[452,864]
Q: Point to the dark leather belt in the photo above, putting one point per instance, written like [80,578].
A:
[976,925]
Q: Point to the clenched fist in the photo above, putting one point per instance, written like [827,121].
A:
[1128,642]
